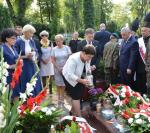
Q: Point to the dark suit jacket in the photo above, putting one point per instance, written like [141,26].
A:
[95,60]
[128,54]
[103,37]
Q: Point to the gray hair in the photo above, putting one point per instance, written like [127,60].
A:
[28,27]
[125,29]
[59,36]
[102,26]
[44,32]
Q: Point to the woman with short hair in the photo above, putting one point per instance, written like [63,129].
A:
[26,46]
[8,38]
[74,73]
[60,54]
[47,69]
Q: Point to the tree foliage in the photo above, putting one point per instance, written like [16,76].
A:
[139,8]
[73,15]
[88,13]
[102,9]
[4,18]
[50,13]
[17,9]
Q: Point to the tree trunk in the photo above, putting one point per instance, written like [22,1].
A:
[12,13]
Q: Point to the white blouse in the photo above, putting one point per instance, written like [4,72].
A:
[73,68]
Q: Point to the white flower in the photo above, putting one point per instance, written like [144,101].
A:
[1,109]
[149,119]
[5,72]
[138,98]
[49,112]
[4,80]
[45,109]
[139,121]
[53,109]
[1,116]
[29,89]
[123,94]
[4,90]
[123,89]
[23,96]
[142,111]
[130,120]
[147,99]
[137,116]
[34,82]
[5,65]
[2,123]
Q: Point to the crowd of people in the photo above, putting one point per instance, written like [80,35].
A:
[126,60]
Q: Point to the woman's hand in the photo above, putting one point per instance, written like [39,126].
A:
[83,81]
[29,55]
[45,61]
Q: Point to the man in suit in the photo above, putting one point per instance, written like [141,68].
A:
[89,39]
[74,42]
[128,57]
[103,36]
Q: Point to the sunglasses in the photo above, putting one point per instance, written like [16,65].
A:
[44,35]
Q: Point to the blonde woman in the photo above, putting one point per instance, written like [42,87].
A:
[47,69]
[26,46]
[60,55]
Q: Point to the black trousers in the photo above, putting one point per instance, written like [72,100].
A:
[127,79]
[141,82]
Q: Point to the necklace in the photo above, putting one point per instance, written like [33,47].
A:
[45,44]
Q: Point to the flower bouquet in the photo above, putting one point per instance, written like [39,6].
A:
[35,116]
[72,124]
[8,110]
[134,108]
[95,95]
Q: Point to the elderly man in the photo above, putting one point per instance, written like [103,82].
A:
[89,39]
[128,57]
[103,36]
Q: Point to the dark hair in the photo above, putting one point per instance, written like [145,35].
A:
[89,49]
[89,31]
[7,33]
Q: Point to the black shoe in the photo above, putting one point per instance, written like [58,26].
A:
[70,113]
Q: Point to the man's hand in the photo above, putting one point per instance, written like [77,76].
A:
[93,67]
[129,71]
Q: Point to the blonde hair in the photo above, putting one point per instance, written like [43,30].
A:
[59,36]
[28,27]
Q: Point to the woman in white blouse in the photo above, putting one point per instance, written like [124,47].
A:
[74,73]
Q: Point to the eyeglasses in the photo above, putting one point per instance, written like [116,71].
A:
[13,38]
[44,35]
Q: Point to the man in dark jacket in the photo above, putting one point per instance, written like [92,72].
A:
[128,57]
[89,39]
[74,42]
[102,36]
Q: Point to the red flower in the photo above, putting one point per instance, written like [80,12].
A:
[126,115]
[74,118]
[136,94]
[39,98]
[126,101]
[30,103]
[17,73]
[127,94]
[143,106]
